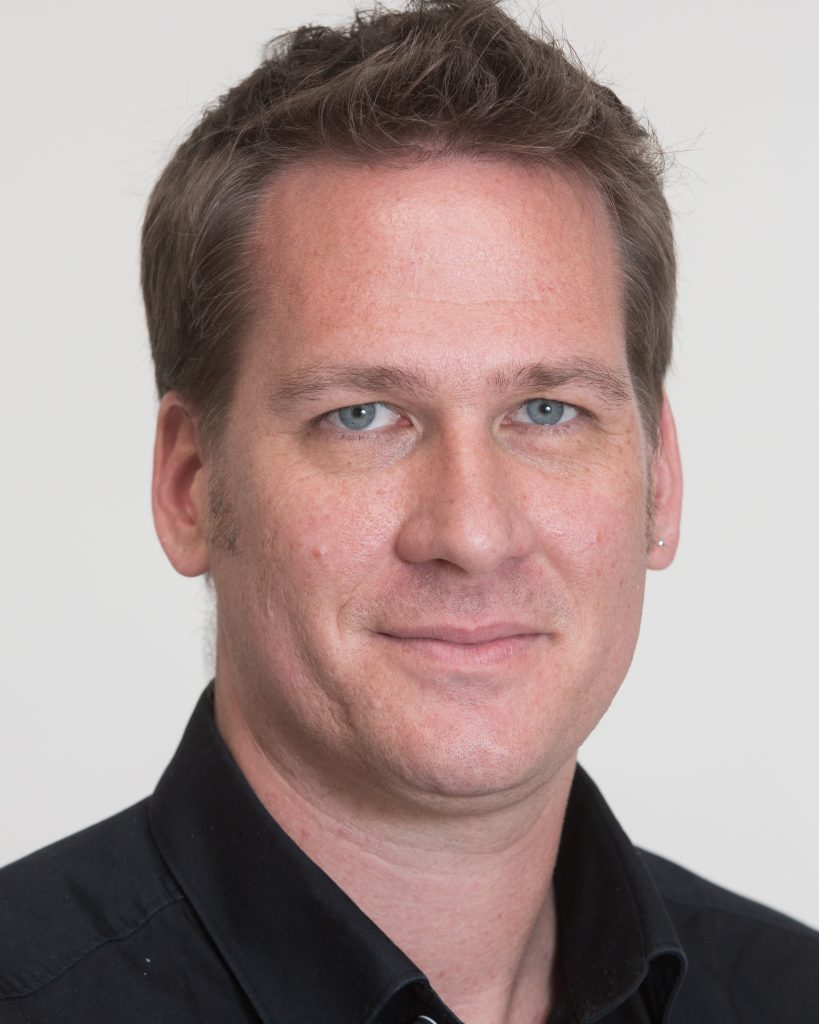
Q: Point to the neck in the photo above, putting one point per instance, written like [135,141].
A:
[468,896]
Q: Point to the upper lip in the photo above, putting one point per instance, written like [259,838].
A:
[463,634]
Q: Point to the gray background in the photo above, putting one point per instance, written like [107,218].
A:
[710,752]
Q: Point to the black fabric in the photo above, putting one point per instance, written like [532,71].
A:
[194,906]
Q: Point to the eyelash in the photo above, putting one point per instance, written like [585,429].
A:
[555,430]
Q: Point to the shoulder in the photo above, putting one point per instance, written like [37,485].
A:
[62,903]
[746,962]
[690,897]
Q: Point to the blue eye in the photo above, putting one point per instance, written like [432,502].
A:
[546,412]
[357,417]
[363,417]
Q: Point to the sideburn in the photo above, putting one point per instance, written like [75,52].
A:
[223,524]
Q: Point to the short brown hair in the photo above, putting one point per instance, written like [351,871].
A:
[441,77]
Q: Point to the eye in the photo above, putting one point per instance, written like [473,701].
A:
[546,412]
[367,416]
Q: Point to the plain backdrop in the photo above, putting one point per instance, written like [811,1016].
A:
[709,754]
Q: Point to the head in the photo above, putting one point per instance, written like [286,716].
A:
[410,291]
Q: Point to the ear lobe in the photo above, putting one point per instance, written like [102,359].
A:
[667,494]
[179,492]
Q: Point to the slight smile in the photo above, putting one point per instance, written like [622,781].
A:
[467,646]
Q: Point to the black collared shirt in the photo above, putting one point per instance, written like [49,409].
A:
[194,906]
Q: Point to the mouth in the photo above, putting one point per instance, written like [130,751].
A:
[461,646]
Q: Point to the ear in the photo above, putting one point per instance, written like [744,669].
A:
[179,493]
[667,496]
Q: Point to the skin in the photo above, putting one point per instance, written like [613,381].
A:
[419,623]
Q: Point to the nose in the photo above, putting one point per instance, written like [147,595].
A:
[466,508]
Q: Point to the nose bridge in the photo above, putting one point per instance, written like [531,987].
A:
[465,510]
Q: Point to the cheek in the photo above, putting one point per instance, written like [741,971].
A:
[593,533]
[596,514]
[321,543]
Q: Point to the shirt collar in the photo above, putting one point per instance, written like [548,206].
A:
[295,941]
[615,933]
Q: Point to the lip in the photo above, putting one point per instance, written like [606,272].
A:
[464,635]
[466,647]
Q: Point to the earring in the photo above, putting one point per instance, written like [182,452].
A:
[661,543]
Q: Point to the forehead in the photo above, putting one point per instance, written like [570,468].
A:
[466,251]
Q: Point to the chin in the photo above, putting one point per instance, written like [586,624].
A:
[478,762]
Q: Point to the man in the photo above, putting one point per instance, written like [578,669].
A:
[410,293]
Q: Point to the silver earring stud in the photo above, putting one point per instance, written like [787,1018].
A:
[661,543]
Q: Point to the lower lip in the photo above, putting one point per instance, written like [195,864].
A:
[491,652]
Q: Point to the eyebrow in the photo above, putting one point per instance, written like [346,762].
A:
[611,383]
[313,382]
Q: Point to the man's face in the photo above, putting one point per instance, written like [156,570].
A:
[436,478]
